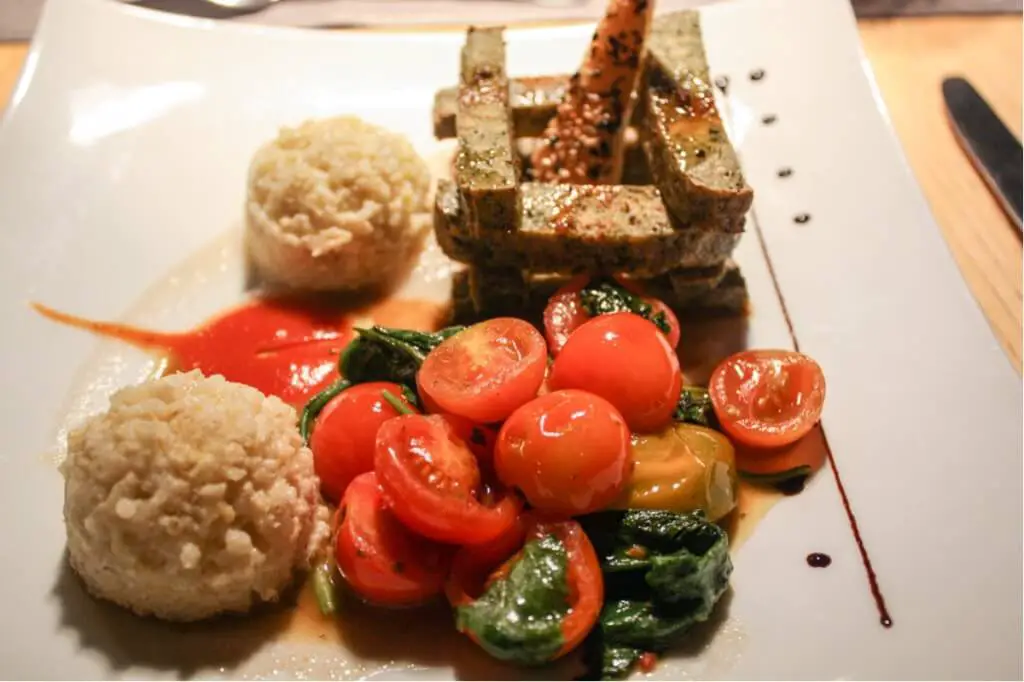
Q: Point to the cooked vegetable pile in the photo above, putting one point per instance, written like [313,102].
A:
[664,572]
[556,507]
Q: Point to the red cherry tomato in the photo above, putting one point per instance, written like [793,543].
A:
[567,452]
[565,313]
[380,559]
[624,359]
[486,371]
[479,438]
[473,564]
[345,434]
[432,482]
[476,567]
[767,398]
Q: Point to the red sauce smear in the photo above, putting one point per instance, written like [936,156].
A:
[280,347]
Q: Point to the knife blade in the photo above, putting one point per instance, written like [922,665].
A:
[995,152]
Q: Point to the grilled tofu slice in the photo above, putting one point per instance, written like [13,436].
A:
[479,294]
[583,228]
[687,149]
[486,164]
[533,101]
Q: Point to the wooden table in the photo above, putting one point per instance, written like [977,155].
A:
[910,57]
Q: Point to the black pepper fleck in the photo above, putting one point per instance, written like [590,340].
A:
[784,172]
[769,119]
[757,74]
[802,218]
[722,83]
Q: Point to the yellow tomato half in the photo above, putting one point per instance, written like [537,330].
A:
[682,468]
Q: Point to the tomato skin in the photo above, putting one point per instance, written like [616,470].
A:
[345,434]
[674,330]
[565,313]
[479,438]
[432,482]
[657,306]
[472,564]
[486,371]
[767,398]
[624,359]
[381,560]
[567,452]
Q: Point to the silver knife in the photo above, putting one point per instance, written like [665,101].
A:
[995,151]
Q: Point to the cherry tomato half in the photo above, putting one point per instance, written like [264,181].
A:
[624,359]
[432,482]
[767,398]
[345,435]
[380,559]
[486,371]
[567,452]
[479,438]
[586,584]
[565,313]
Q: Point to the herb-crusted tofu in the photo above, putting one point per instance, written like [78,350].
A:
[486,166]
[688,151]
[533,101]
[582,228]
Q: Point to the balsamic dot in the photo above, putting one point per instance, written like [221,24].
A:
[784,172]
[722,83]
[802,218]
[818,560]
[757,74]
[769,119]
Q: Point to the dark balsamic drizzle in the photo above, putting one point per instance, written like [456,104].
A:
[757,74]
[722,83]
[876,592]
[802,218]
[818,560]
[769,119]
[784,172]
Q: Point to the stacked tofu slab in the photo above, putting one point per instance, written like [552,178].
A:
[672,225]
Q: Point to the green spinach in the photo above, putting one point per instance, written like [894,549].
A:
[316,405]
[519,617]
[664,572]
[384,354]
[377,354]
[602,297]
[694,407]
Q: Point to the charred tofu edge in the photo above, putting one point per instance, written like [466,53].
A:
[688,151]
[486,164]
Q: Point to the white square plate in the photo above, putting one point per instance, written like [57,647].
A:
[122,166]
